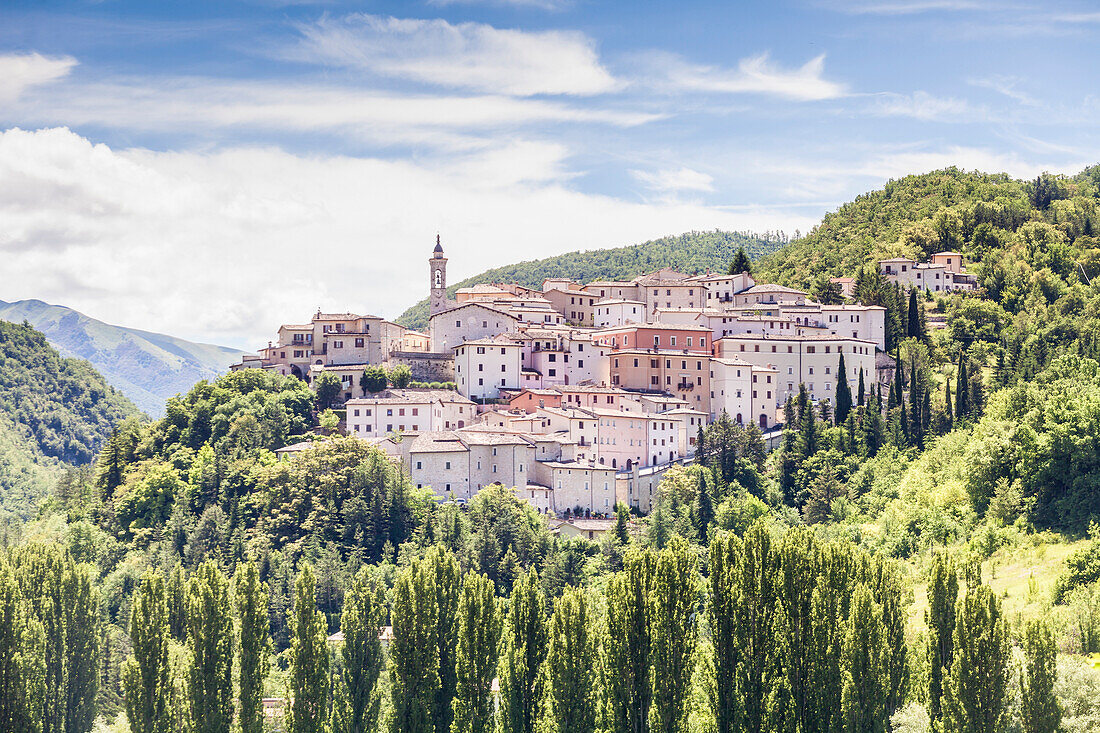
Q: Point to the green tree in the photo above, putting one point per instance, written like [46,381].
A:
[253,646]
[844,392]
[740,263]
[399,376]
[414,653]
[23,691]
[672,636]
[1040,711]
[626,648]
[975,690]
[866,680]
[943,594]
[524,650]
[176,593]
[145,677]
[210,638]
[308,679]
[361,624]
[828,292]
[861,399]
[328,388]
[704,509]
[570,684]
[479,630]
[448,587]
[962,391]
[374,380]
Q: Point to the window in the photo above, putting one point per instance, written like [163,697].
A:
[358,343]
[447,465]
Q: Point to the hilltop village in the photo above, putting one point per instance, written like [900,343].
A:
[582,395]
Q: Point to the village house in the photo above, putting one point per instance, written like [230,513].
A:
[408,410]
[484,367]
[944,273]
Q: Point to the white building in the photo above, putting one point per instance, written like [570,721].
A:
[618,312]
[483,367]
[731,389]
[408,410]
[468,322]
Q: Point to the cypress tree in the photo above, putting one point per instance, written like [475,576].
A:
[943,593]
[570,684]
[414,653]
[701,446]
[626,647]
[145,676]
[479,629]
[862,396]
[1040,711]
[913,329]
[975,690]
[865,676]
[962,391]
[308,682]
[210,639]
[916,403]
[844,392]
[672,636]
[621,532]
[524,651]
[704,509]
[807,434]
[253,646]
[360,622]
[947,405]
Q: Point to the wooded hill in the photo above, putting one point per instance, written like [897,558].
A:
[688,252]
[54,412]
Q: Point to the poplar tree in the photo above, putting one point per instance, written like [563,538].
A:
[414,653]
[1040,711]
[476,651]
[865,675]
[779,705]
[626,647]
[725,556]
[448,586]
[943,593]
[570,683]
[59,593]
[254,646]
[672,636]
[308,682]
[145,676]
[176,594]
[975,690]
[844,392]
[210,639]
[22,659]
[360,622]
[524,650]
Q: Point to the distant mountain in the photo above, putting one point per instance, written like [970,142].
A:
[54,412]
[689,252]
[147,367]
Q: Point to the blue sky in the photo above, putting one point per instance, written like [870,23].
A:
[214,168]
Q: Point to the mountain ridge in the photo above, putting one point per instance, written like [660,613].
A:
[148,367]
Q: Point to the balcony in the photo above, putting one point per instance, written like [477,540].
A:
[685,386]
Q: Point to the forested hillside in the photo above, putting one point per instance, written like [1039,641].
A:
[147,367]
[914,553]
[53,412]
[689,252]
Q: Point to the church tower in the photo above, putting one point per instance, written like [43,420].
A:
[437,267]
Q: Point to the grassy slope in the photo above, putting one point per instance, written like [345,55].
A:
[148,367]
[690,252]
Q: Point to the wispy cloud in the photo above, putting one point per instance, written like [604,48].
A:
[675,180]
[20,72]
[540,4]
[757,75]
[921,105]
[472,56]
[1007,86]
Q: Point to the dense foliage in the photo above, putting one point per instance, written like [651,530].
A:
[690,252]
[53,412]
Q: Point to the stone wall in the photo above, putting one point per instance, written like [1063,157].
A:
[426,366]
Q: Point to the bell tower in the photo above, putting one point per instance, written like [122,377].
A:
[437,271]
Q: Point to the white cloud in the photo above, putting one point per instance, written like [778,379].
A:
[923,106]
[225,246]
[540,4]
[472,56]
[201,105]
[682,179]
[1007,86]
[20,72]
[758,75]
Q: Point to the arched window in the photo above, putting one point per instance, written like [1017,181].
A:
[439,278]
[740,420]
